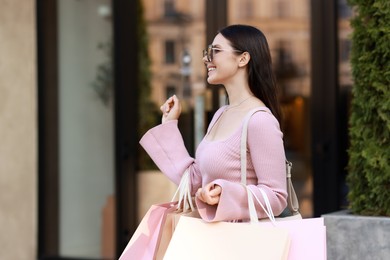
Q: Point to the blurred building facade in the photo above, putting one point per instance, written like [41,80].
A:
[176,31]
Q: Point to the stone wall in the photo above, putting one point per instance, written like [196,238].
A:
[18,130]
[355,237]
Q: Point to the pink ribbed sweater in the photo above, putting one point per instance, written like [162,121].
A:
[219,162]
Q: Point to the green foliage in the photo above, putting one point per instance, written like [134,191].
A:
[147,110]
[369,152]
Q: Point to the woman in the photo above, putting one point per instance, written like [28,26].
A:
[239,59]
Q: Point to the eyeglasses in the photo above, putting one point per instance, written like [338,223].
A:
[212,49]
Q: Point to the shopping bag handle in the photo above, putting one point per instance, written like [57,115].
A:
[184,191]
[251,205]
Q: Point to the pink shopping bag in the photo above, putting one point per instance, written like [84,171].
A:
[308,238]
[144,243]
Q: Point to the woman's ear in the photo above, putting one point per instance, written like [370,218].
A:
[244,59]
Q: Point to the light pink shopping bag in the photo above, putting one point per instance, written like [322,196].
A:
[308,238]
[195,239]
[145,240]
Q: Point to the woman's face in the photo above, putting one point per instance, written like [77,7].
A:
[224,61]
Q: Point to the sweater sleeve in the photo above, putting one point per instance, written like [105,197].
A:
[266,153]
[164,144]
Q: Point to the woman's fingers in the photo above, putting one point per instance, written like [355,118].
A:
[171,109]
[209,194]
[198,194]
[174,105]
[216,191]
[165,108]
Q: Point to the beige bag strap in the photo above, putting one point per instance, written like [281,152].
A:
[292,200]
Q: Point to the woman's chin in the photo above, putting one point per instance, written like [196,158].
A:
[212,81]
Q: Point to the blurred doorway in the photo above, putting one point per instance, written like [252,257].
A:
[86,129]
[87,148]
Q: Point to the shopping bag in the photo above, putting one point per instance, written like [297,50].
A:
[308,238]
[168,229]
[176,217]
[185,207]
[153,234]
[196,239]
[144,243]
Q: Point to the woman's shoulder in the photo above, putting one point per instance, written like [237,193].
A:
[220,110]
[262,118]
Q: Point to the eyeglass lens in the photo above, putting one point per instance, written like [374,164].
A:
[208,53]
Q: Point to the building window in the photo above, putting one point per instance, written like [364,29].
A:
[170,91]
[170,52]
[246,9]
[169,8]
[345,11]
[345,48]
[282,8]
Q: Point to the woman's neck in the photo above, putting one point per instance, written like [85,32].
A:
[238,94]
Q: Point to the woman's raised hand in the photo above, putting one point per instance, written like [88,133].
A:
[171,109]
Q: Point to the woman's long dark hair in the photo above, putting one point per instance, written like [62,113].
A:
[261,78]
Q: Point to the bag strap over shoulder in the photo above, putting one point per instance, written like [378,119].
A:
[292,200]
[244,135]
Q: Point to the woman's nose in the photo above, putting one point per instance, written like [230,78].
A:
[205,61]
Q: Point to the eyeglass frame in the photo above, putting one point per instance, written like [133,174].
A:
[209,52]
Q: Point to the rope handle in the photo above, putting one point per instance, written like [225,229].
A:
[183,191]
[252,210]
